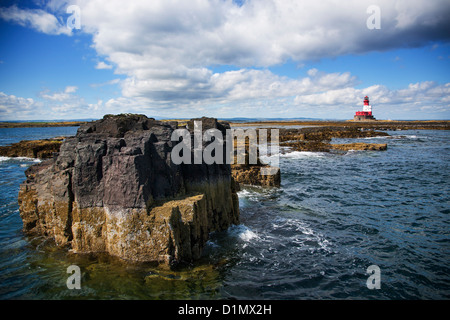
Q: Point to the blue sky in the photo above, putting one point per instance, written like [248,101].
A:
[225,59]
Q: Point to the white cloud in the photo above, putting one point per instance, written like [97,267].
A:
[65,95]
[423,96]
[70,89]
[96,106]
[65,104]
[10,105]
[167,50]
[102,65]
[107,83]
[37,19]
[57,96]
[247,84]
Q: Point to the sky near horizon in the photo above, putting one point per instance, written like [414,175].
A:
[224,58]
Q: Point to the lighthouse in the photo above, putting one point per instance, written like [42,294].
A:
[366,114]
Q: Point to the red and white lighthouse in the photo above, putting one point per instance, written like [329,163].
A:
[366,114]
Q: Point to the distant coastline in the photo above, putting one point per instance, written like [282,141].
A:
[378,124]
[40,124]
[375,125]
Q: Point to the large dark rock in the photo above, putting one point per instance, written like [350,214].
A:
[114,188]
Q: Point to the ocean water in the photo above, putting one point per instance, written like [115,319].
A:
[334,215]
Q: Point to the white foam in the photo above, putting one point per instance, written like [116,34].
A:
[244,193]
[293,155]
[411,136]
[302,154]
[254,193]
[3,159]
[242,232]
[377,137]
[303,233]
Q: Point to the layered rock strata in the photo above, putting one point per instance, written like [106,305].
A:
[250,172]
[114,188]
[257,174]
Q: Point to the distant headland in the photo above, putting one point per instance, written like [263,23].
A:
[376,124]
[40,124]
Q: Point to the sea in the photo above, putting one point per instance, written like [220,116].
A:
[344,225]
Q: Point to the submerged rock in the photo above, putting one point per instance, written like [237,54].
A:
[113,188]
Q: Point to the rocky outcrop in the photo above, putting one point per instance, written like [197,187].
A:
[360,146]
[318,139]
[326,133]
[42,149]
[257,175]
[114,188]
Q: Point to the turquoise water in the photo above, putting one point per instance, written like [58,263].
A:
[335,215]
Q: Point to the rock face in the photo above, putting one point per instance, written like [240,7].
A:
[113,188]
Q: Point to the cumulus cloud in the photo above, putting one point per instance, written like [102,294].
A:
[66,102]
[416,92]
[107,83]
[60,96]
[37,19]
[390,103]
[10,105]
[167,50]
[70,89]
[102,65]
[49,105]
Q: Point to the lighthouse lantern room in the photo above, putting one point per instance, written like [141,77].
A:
[366,114]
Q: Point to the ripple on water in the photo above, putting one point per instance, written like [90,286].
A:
[313,238]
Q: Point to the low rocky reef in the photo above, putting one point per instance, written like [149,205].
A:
[318,139]
[360,146]
[41,149]
[114,188]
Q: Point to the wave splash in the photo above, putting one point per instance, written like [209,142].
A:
[19,159]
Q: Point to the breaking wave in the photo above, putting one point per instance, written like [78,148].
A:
[242,232]
[19,159]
